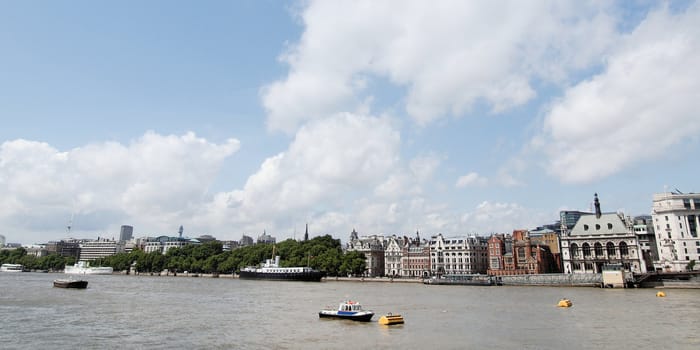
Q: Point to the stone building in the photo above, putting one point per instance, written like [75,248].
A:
[458,256]
[524,255]
[676,220]
[373,249]
[599,239]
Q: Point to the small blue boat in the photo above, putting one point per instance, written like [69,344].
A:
[348,310]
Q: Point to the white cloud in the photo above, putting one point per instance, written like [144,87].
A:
[447,55]
[329,163]
[494,217]
[644,102]
[471,179]
[156,180]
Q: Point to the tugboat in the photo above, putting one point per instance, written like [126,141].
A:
[349,310]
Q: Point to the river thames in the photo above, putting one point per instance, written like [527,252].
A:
[144,312]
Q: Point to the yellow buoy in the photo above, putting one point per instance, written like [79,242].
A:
[390,319]
[564,303]
[660,294]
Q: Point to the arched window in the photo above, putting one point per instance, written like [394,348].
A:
[598,249]
[586,250]
[623,249]
[610,247]
[574,250]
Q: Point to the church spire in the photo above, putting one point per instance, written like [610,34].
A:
[306,233]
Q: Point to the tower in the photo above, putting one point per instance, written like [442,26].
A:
[306,233]
[596,203]
[179,231]
[126,233]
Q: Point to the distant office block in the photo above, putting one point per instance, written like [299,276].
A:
[126,233]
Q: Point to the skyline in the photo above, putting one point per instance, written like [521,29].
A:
[388,117]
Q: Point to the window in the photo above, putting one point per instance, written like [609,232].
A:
[574,250]
[585,227]
[610,247]
[586,251]
[623,249]
[609,226]
[598,249]
[597,227]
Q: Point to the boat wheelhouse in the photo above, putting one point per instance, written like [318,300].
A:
[348,310]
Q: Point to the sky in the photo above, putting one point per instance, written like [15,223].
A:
[387,117]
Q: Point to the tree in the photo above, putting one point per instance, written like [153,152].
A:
[691,265]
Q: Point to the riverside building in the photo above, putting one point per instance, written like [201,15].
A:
[458,256]
[598,240]
[675,218]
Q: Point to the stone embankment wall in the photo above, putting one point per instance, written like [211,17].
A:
[552,279]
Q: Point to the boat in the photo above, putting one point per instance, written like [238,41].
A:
[271,270]
[11,268]
[390,319]
[83,268]
[70,283]
[462,280]
[348,310]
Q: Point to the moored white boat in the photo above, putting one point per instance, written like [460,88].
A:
[83,268]
[11,268]
[348,310]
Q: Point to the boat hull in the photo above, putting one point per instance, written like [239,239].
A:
[79,284]
[72,270]
[358,316]
[312,276]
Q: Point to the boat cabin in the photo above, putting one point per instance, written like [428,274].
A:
[350,306]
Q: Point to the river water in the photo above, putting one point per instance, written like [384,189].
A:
[144,312]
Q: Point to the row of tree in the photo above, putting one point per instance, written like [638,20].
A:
[51,262]
[322,253]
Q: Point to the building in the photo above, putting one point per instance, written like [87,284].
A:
[2,241]
[643,227]
[415,258]
[91,250]
[162,244]
[245,241]
[126,233]
[265,238]
[520,254]
[392,256]
[599,239]
[373,249]
[464,255]
[67,248]
[676,223]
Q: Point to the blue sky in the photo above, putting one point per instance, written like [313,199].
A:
[231,118]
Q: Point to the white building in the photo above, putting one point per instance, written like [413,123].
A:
[599,239]
[91,250]
[392,256]
[464,255]
[373,249]
[676,221]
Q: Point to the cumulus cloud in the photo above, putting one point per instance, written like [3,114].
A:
[496,217]
[156,179]
[330,161]
[471,179]
[447,55]
[644,102]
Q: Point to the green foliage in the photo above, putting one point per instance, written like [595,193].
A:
[322,253]
[51,262]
